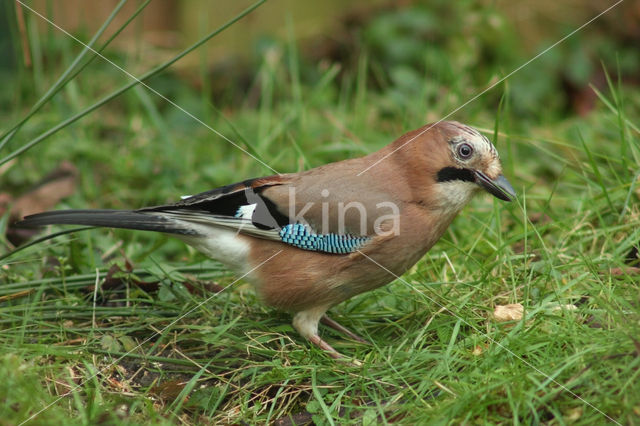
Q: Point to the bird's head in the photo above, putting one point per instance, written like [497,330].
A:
[464,161]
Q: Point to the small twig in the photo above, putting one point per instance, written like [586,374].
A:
[16,295]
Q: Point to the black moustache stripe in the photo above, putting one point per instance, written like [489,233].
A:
[453,173]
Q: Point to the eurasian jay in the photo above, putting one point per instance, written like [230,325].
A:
[331,232]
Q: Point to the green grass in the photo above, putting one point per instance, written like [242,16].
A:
[131,355]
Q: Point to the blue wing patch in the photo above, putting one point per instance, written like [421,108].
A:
[301,236]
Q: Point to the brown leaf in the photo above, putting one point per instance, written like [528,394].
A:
[168,390]
[629,270]
[59,184]
[511,312]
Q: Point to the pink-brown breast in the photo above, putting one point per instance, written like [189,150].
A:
[295,280]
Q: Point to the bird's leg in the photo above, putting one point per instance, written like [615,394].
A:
[306,322]
[342,329]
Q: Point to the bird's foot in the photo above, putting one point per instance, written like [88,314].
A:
[306,322]
[342,329]
[317,340]
[329,350]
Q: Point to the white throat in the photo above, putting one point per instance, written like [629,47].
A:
[454,195]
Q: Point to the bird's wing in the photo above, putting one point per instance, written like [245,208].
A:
[247,208]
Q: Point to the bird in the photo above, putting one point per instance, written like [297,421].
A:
[308,241]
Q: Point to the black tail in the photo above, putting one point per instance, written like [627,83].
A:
[126,219]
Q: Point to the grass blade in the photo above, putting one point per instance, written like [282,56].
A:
[69,73]
[128,86]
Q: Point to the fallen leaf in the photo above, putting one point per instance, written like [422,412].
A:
[59,184]
[511,312]
[168,390]
[629,270]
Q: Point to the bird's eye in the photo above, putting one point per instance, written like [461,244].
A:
[465,151]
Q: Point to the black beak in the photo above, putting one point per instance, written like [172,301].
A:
[498,187]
